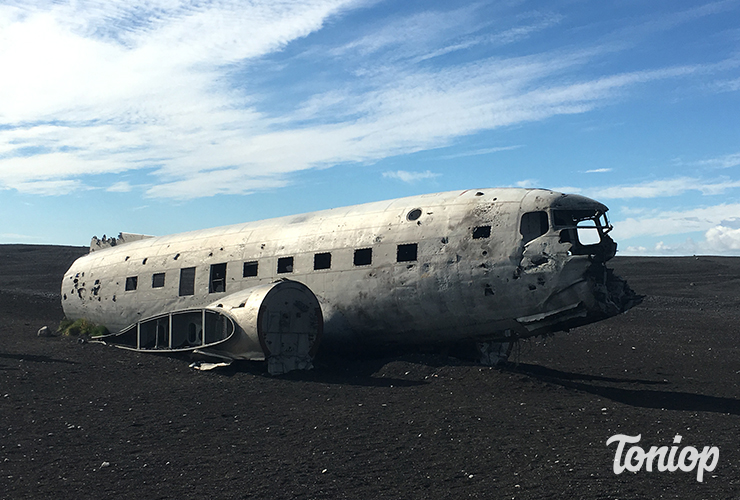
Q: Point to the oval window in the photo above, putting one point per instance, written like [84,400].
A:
[414,214]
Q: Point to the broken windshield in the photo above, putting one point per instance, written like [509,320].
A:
[584,228]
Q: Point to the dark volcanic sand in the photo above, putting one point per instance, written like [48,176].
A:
[410,426]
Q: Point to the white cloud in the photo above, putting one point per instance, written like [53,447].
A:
[727,85]
[50,188]
[726,161]
[478,152]
[225,181]
[718,240]
[120,187]
[633,250]
[689,246]
[661,188]
[111,87]
[673,222]
[104,89]
[410,177]
[504,37]
[723,238]
[632,210]
[598,170]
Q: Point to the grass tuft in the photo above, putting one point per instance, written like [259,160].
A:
[79,327]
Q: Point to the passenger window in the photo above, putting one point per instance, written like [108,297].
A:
[131,283]
[217,282]
[187,281]
[250,269]
[158,280]
[322,261]
[481,232]
[363,257]
[406,253]
[285,265]
[534,225]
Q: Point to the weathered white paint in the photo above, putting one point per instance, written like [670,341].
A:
[459,287]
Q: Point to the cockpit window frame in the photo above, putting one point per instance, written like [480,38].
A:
[573,226]
[594,215]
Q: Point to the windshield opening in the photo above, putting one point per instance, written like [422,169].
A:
[585,229]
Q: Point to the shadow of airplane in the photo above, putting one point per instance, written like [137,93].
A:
[644,398]
[34,358]
[361,374]
[543,372]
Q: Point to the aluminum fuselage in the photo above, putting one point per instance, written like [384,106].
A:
[463,283]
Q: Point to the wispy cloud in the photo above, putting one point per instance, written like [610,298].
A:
[478,152]
[433,33]
[664,21]
[405,37]
[726,85]
[97,88]
[120,187]
[658,188]
[726,161]
[598,170]
[410,177]
[110,87]
[507,36]
[51,187]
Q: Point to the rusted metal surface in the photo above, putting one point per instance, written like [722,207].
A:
[489,265]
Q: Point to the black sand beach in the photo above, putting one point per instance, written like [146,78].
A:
[82,420]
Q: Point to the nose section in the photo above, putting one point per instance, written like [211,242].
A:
[587,291]
[612,295]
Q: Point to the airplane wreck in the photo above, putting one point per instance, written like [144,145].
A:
[488,267]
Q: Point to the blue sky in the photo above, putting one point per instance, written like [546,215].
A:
[159,116]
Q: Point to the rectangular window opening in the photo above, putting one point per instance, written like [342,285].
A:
[217,282]
[588,235]
[322,261]
[131,283]
[285,265]
[569,218]
[406,253]
[187,281]
[158,280]
[363,257]
[481,232]
[533,225]
[250,269]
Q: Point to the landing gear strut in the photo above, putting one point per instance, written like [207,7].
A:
[496,353]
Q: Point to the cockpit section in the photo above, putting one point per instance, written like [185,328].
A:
[563,251]
[555,223]
[586,230]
